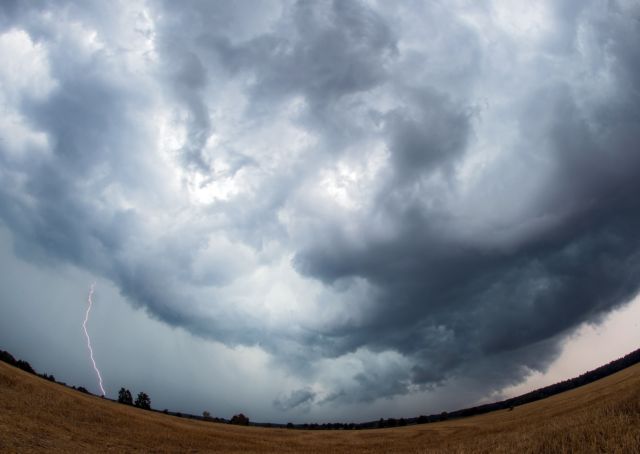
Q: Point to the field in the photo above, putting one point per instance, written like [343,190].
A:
[37,415]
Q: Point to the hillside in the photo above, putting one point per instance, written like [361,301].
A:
[37,415]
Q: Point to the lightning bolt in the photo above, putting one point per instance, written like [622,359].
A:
[86,333]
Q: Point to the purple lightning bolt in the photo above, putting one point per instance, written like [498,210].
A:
[86,333]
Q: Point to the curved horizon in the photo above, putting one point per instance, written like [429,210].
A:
[323,208]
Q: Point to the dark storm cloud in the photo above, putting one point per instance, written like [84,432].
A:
[495,297]
[189,78]
[432,137]
[93,122]
[489,301]
[322,51]
[476,276]
[335,49]
[297,398]
[373,384]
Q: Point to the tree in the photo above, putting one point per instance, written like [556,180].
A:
[143,401]
[25,366]
[206,416]
[124,397]
[240,420]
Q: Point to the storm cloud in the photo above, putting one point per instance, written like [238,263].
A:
[380,197]
[297,398]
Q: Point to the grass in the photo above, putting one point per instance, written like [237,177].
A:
[37,415]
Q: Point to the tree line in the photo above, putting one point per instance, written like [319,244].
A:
[144,401]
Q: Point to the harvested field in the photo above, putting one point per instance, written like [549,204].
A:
[37,416]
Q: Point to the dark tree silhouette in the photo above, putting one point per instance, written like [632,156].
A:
[143,401]
[48,377]
[240,420]
[124,397]
[25,366]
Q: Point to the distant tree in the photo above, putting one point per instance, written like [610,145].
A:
[124,397]
[240,420]
[206,416]
[25,366]
[289,425]
[143,401]
[82,389]
[20,364]
[7,358]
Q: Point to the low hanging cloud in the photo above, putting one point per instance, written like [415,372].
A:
[298,398]
[451,188]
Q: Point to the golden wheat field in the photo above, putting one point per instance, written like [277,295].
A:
[40,416]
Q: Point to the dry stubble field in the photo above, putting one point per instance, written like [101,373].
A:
[40,416]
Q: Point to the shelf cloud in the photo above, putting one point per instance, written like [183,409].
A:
[382,197]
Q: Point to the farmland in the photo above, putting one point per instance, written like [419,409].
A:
[37,415]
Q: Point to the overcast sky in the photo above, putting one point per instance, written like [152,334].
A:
[316,210]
